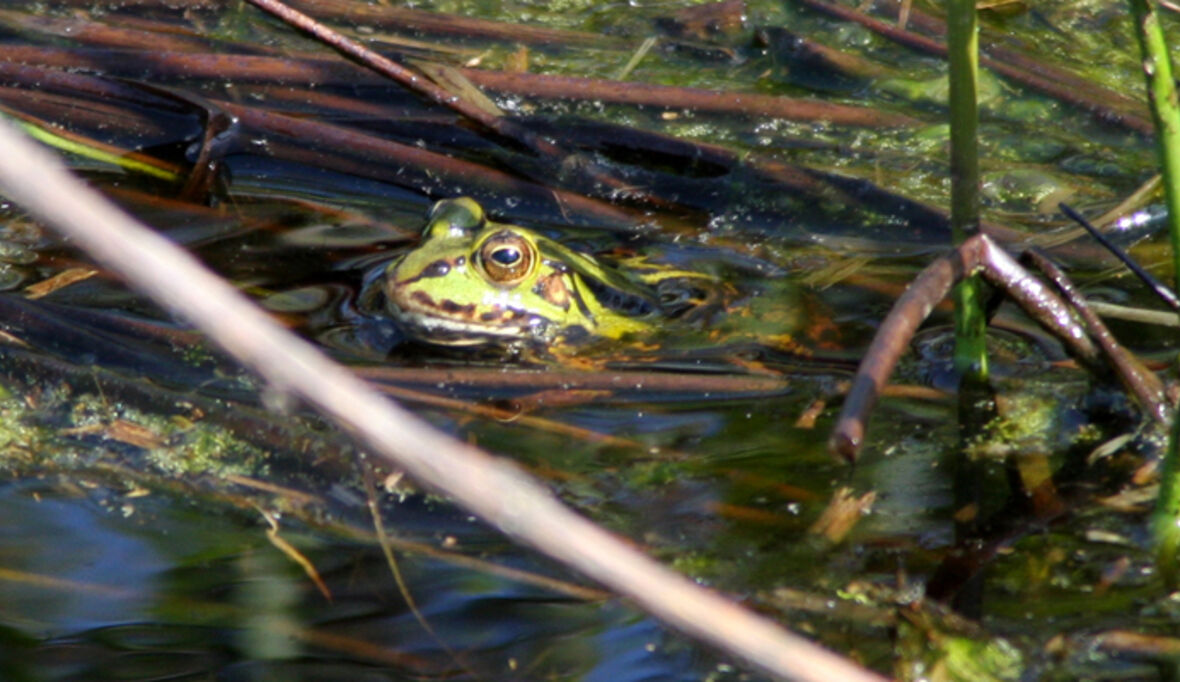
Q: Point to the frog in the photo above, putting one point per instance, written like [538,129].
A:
[475,282]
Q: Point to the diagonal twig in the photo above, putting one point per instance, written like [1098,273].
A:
[1146,277]
[1145,385]
[418,82]
[490,487]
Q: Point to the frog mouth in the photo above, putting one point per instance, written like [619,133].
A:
[448,323]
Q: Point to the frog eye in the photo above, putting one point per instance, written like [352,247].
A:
[507,258]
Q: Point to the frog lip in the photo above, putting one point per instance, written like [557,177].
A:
[446,333]
[453,324]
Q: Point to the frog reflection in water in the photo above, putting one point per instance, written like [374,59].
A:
[475,282]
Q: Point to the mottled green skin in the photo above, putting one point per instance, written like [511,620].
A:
[475,282]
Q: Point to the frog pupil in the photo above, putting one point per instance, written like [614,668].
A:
[507,256]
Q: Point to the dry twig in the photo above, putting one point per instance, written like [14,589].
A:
[491,487]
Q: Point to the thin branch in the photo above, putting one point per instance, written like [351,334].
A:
[1161,290]
[409,78]
[979,254]
[1144,384]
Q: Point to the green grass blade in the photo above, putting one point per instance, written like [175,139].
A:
[68,145]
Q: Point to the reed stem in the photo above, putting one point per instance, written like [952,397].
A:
[1161,92]
[963,55]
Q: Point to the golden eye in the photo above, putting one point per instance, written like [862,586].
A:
[507,258]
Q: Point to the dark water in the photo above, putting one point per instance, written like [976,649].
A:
[139,464]
[153,589]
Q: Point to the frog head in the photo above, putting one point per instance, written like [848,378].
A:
[473,281]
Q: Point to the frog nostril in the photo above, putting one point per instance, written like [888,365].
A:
[438,268]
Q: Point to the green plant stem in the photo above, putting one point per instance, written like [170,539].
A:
[1161,91]
[963,54]
[1166,519]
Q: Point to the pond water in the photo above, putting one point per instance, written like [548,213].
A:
[163,524]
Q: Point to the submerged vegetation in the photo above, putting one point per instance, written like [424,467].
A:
[791,155]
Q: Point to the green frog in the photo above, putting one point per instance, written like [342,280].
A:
[476,282]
